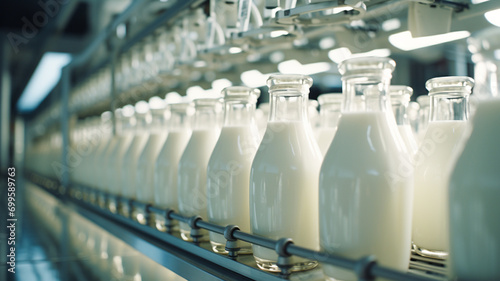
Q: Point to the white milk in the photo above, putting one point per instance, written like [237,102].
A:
[324,137]
[364,208]
[408,138]
[129,168]
[165,171]
[192,176]
[283,188]
[432,164]
[145,167]
[474,191]
[228,176]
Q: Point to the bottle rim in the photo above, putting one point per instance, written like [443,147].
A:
[283,82]
[366,66]
[240,93]
[450,85]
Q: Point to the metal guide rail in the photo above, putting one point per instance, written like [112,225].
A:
[107,209]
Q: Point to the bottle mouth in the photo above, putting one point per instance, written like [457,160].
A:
[366,66]
[450,85]
[241,93]
[333,98]
[208,103]
[289,81]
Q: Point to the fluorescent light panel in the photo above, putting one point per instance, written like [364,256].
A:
[404,40]
[493,17]
[45,77]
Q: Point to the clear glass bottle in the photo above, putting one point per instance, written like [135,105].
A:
[474,185]
[131,157]
[228,171]
[165,171]
[192,170]
[364,200]
[329,116]
[474,189]
[284,174]
[105,136]
[262,117]
[125,127]
[400,99]
[448,116]
[146,162]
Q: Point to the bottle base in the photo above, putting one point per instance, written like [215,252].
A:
[186,236]
[221,249]
[429,253]
[272,266]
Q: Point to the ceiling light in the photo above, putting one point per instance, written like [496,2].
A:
[219,84]
[278,33]
[404,40]
[195,92]
[295,67]
[173,97]
[478,1]
[391,24]
[340,54]
[254,78]
[493,17]
[43,80]
[326,43]
[235,50]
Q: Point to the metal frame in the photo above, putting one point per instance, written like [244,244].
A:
[187,258]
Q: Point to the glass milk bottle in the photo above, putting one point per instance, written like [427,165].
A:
[474,186]
[228,171]
[329,116]
[125,127]
[284,174]
[474,190]
[364,199]
[192,170]
[165,170]
[105,137]
[448,116]
[146,162]
[400,99]
[131,157]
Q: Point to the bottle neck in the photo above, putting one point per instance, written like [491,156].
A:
[400,110]
[239,113]
[289,107]
[157,125]
[143,121]
[446,107]
[374,89]
[205,118]
[330,114]
[178,121]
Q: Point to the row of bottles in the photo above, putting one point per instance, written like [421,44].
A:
[104,255]
[364,183]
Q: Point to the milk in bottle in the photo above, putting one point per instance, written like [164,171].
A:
[448,116]
[284,174]
[105,138]
[329,115]
[400,99]
[228,171]
[165,170]
[192,170]
[364,201]
[131,157]
[474,185]
[146,162]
